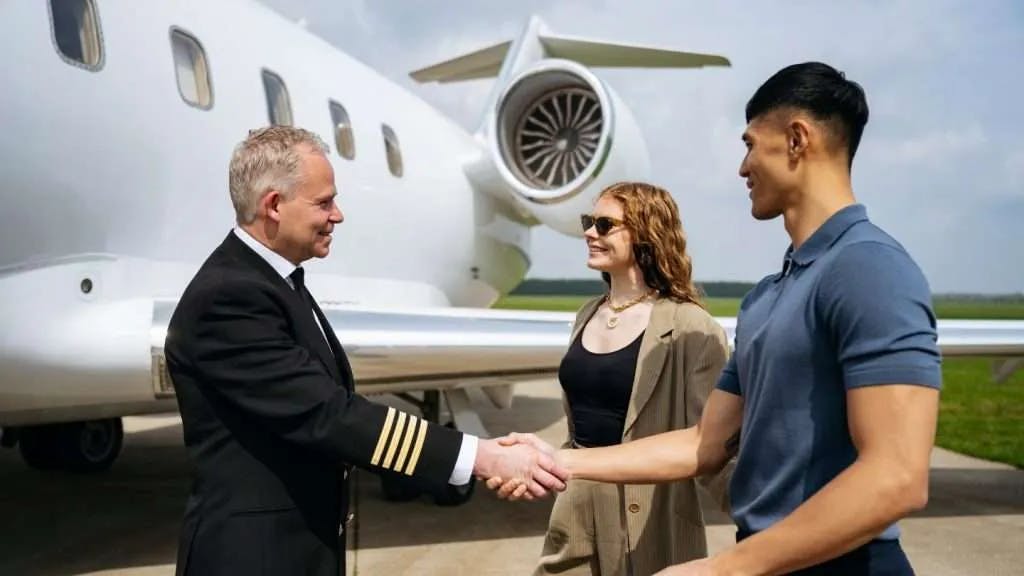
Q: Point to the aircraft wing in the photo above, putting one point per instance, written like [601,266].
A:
[114,353]
[405,350]
[409,350]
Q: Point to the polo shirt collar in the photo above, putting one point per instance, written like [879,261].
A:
[826,235]
[823,238]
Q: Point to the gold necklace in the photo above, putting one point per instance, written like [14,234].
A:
[613,319]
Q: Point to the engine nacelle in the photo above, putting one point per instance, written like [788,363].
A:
[561,135]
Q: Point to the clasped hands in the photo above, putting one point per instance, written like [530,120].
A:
[520,466]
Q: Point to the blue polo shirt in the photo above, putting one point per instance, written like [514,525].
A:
[849,309]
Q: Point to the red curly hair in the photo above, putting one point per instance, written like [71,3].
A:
[659,243]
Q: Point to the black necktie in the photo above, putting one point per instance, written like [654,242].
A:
[299,281]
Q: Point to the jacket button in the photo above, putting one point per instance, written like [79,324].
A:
[634,508]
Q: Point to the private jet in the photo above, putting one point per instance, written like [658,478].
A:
[119,121]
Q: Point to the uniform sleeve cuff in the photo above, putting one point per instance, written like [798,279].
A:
[464,464]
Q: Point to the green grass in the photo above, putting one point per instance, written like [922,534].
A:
[979,309]
[979,417]
[976,416]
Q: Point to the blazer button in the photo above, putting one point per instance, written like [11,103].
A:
[634,508]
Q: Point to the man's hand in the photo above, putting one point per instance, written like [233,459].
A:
[514,438]
[534,471]
[514,488]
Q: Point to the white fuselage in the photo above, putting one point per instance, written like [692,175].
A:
[111,179]
[115,162]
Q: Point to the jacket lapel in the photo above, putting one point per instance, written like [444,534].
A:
[585,315]
[338,353]
[314,339]
[307,331]
[650,361]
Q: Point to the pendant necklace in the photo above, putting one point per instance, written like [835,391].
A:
[613,319]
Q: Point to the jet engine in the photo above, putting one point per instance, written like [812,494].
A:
[561,135]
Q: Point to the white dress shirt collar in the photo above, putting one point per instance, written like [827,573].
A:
[279,263]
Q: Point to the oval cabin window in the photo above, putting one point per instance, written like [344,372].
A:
[76,31]
[191,70]
[279,106]
[343,137]
[393,151]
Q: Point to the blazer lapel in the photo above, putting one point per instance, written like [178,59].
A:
[338,353]
[309,335]
[585,315]
[651,360]
[315,340]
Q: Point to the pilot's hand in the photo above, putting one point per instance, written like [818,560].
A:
[514,488]
[535,472]
[514,438]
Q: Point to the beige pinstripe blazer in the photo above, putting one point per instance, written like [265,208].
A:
[636,530]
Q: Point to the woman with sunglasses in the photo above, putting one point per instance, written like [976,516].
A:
[642,360]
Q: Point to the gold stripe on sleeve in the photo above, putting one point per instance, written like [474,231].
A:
[382,439]
[417,448]
[395,440]
[410,431]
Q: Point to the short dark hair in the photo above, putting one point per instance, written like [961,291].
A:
[823,92]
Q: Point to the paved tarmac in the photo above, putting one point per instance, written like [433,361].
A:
[126,521]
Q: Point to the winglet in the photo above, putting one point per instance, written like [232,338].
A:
[607,54]
[487,62]
[483,63]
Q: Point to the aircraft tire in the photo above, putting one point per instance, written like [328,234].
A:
[83,447]
[92,446]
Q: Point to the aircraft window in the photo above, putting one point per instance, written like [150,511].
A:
[343,138]
[191,70]
[394,152]
[76,30]
[279,106]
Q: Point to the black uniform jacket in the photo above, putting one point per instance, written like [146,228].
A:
[271,423]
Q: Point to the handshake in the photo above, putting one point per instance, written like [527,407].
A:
[520,466]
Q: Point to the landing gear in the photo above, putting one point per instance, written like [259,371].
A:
[84,447]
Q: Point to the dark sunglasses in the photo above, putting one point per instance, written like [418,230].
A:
[603,224]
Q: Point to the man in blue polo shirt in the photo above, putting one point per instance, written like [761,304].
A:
[835,378]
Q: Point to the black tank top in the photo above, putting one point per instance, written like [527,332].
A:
[598,387]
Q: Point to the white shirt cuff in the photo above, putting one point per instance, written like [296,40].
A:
[464,464]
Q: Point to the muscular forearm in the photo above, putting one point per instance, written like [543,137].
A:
[661,458]
[848,512]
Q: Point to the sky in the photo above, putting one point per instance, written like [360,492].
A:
[940,166]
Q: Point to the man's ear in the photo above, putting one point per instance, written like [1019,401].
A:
[270,205]
[797,136]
